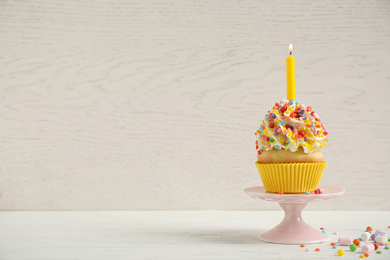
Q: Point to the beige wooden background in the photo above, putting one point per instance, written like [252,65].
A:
[153,104]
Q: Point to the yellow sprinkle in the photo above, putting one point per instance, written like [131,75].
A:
[265,132]
[258,131]
[362,256]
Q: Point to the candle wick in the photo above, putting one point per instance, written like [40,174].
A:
[290,52]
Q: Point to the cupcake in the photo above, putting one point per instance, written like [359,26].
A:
[289,143]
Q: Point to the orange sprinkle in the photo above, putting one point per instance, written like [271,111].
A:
[317,249]
[302,245]
[366,255]
[356,241]
[369,228]
[332,244]
[280,192]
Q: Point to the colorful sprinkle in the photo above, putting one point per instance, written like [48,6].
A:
[307,192]
[340,252]
[353,247]
[334,247]
[281,128]
[317,249]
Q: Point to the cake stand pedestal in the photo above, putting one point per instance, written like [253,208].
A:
[292,229]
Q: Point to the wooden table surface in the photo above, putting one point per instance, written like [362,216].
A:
[27,235]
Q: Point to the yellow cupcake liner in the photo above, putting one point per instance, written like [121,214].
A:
[291,177]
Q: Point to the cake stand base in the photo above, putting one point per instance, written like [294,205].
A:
[292,229]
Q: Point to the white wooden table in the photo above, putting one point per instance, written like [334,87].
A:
[170,234]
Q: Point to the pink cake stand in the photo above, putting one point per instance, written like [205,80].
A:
[292,229]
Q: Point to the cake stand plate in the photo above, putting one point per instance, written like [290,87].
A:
[292,229]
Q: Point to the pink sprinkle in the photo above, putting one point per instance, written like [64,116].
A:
[321,190]
[258,152]
[381,244]
[322,228]
[269,146]
[388,226]
[255,133]
[300,119]
[279,130]
[296,125]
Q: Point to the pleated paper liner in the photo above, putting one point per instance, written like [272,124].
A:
[291,177]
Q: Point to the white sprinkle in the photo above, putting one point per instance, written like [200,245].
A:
[335,233]
[307,249]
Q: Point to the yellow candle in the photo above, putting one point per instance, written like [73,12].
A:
[290,69]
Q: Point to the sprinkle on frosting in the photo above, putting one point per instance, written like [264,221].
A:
[291,125]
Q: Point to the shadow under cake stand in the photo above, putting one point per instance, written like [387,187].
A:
[292,229]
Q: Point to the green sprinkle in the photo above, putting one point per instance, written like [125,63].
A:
[352,247]
[386,247]
[271,140]
[379,252]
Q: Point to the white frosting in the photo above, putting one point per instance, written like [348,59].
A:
[315,139]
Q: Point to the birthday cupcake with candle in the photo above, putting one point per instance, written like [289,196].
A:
[289,143]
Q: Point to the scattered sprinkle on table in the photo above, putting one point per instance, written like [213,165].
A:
[340,252]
